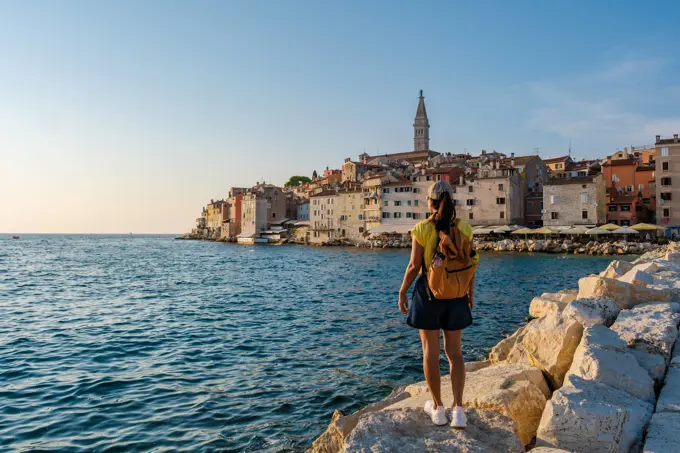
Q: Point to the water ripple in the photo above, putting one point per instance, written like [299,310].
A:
[132,343]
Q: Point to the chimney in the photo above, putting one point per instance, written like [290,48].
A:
[461,179]
[675,138]
[498,164]
[625,149]
[512,155]
[658,138]
[483,152]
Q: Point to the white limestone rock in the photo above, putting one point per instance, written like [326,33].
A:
[613,366]
[502,349]
[669,307]
[592,311]
[477,365]
[625,295]
[653,363]
[548,450]
[616,269]
[637,277]
[549,344]
[541,306]
[410,430]
[669,398]
[649,330]
[589,417]
[650,267]
[518,391]
[663,435]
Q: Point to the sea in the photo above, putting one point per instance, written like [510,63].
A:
[150,344]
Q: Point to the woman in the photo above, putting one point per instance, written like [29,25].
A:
[431,316]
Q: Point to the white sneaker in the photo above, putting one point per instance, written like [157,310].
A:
[437,415]
[458,418]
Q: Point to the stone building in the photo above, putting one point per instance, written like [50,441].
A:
[354,171]
[421,127]
[534,173]
[302,210]
[401,207]
[372,193]
[254,211]
[574,201]
[495,196]
[213,218]
[667,158]
[628,182]
[557,166]
[322,223]
[349,213]
[276,201]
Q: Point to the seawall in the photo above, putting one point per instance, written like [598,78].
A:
[596,369]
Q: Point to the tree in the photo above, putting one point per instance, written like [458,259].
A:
[296,181]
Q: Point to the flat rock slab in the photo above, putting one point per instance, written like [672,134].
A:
[653,363]
[516,390]
[616,269]
[548,450]
[502,349]
[663,435]
[592,311]
[593,418]
[669,398]
[625,295]
[649,330]
[412,431]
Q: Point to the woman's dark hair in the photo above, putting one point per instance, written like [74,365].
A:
[446,212]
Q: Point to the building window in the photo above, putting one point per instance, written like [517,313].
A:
[666,196]
[408,215]
[386,215]
[584,197]
[470,202]
[439,177]
[500,200]
[470,216]
[665,166]
[558,166]
[428,178]
[361,217]
[638,208]
[666,181]
[584,214]
[415,202]
[501,188]
[471,189]
[386,203]
[397,215]
[612,208]
[625,208]
[502,215]
[415,179]
[485,174]
[397,203]
[625,223]
[630,188]
[416,216]
[641,187]
[553,215]
[553,199]
[541,205]
[530,205]
[666,212]
[416,190]
[664,152]
[386,190]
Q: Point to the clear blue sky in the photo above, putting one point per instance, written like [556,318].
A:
[120,116]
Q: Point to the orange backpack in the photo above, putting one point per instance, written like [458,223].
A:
[452,270]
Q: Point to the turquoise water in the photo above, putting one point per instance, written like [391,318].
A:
[140,343]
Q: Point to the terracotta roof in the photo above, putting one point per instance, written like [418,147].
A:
[326,193]
[619,162]
[563,181]
[361,164]
[407,155]
[552,160]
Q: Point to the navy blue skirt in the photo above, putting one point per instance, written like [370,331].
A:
[428,313]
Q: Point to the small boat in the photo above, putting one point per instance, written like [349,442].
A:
[16,237]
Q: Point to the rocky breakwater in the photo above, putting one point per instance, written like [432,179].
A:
[567,246]
[595,370]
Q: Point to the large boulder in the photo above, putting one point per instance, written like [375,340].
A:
[476,365]
[589,417]
[669,398]
[650,329]
[654,364]
[548,450]
[637,277]
[502,349]
[602,357]
[663,435]
[592,311]
[625,295]
[550,302]
[410,430]
[549,344]
[518,391]
[616,269]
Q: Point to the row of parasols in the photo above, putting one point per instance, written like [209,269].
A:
[609,228]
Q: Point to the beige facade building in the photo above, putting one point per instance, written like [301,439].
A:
[667,158]
[494,197]
[322,222]
[254,214]
[349,213]
[574,201]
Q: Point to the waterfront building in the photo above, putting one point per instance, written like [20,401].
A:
[231,225]
[495,196]
[667,163]
[571,201]
[628,181]
[302,210]
[276,201]
[557,166]
[254,214]
[401,207]
[213,217]
[372,193]
[534,174]
[349,212]
[322,224]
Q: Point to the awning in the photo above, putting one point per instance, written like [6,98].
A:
[246,235]
[279,222]
[597,231]
[482,230]
[625,230]
[392,229]
[647,227]
[301,223]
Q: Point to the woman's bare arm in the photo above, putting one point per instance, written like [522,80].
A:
[411,273]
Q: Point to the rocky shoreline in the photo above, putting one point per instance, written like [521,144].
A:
[596,369]
[554,246]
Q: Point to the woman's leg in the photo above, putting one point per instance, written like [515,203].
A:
[452,339]
[430,341]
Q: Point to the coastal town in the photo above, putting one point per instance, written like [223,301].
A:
[382,197]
